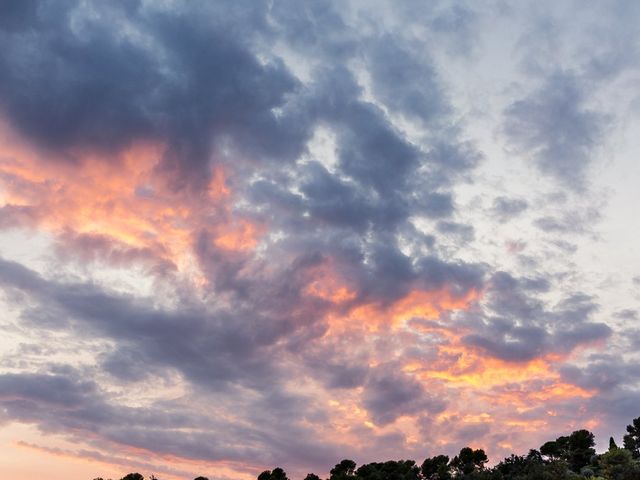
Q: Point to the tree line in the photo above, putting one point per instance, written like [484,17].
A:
[571,457]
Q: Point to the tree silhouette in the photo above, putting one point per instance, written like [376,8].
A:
[556,449]
[581,443]
[534,456]
[612,444]
[275,474]
[133,476]
[391,470]
[345,469]
[631,440]
[469,460]
[576,449]
[436,468]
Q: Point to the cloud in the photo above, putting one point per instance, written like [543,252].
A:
[262,238]
[204,346]
[463,232]
[516,325]
[553,127]
[392,65]
[54,390]
[66,404]
[16,15]
[505,208]
[603,372]
[627,314]
[388,395]
[71,84]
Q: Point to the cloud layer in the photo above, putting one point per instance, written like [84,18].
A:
[264,234]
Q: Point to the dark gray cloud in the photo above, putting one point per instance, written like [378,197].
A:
[459,276]
[627,314]
[603,372]
[46,389]
[578,221]
[92,248]
[554,127]
[509,342]
[451,25]
[371,151]
[381,180]
[463,232]
[437,205]
[470,434]
[16,14]
[559,122]
[204,346]
[517,325]
[505,208]
[317,28]
[339,364]
[404,83]
[334,201]
[613,380]
[72,81]
[66,404]
[457,24]
[633,338]
[389,394]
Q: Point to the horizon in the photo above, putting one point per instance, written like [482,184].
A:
[236,235]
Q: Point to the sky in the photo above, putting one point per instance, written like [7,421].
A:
[236,235]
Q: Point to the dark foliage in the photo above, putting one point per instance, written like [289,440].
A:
[632,439]
[612,444]
[391,470]
[469,461]
[345,469]
[436,468]
[576,449]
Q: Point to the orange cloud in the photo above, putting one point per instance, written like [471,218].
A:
[431,304]
[124,198]
[480,389]
[328,285]
[425,305]
[239,236]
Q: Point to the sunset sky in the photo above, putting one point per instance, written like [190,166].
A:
[236,235]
